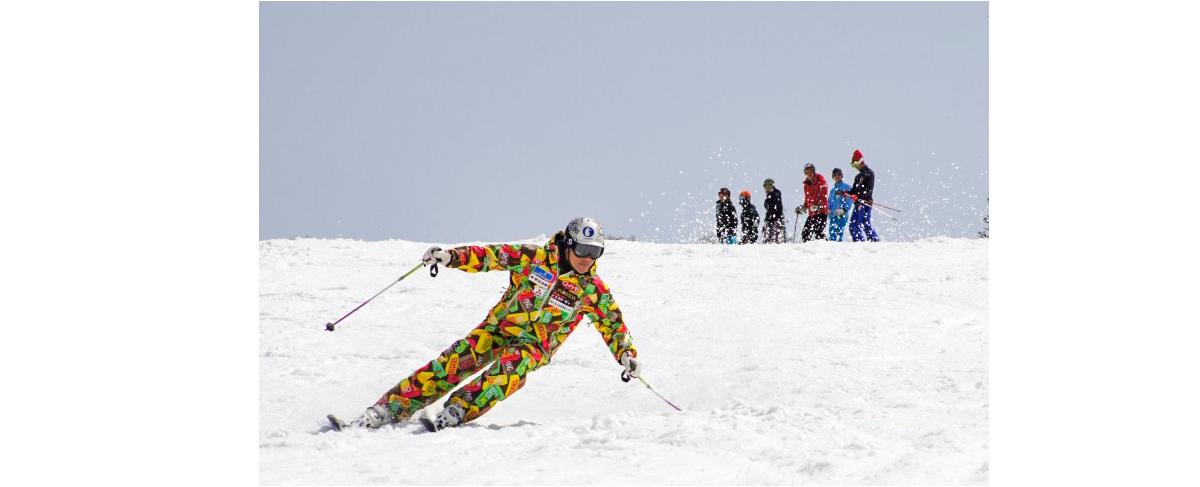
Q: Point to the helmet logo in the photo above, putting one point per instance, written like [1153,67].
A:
[589,232]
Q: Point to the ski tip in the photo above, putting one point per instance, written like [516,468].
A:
[334,423]
[428,424]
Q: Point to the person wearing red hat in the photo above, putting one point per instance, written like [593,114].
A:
[861,193]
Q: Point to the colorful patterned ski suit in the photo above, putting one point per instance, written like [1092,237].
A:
[538,311]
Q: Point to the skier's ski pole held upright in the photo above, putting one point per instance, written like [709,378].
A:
[552,288]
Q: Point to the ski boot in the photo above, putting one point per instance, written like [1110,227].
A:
[448,418]
[375,417]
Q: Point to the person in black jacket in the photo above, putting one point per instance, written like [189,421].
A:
[726,218]
[861,193]
[749,220]
[774,228]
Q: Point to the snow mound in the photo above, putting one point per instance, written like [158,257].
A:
[825,362]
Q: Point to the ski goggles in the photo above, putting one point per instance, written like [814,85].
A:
[588,250]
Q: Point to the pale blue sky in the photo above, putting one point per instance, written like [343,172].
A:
[496,121]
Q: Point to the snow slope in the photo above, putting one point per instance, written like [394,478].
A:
[818,363]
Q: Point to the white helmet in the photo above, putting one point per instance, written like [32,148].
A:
[586,237]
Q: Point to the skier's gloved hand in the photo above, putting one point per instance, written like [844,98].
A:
[814,208]
[632,369]
[798,210]
[435,255]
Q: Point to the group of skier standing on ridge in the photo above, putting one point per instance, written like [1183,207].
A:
[847,203]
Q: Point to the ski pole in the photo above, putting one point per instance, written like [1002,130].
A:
[659,395]
[881,212]
[432,272]
[856,200]
[888,207]
[797,225]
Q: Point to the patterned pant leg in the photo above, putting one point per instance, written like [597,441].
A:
[432,381]
[506,376]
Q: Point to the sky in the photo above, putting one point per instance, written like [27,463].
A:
[498,121]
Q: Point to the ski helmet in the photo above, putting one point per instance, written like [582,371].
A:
[745,197]
[724,191]
[768,182]
[837,171]
[586,237]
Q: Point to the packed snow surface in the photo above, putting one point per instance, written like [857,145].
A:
[815,363]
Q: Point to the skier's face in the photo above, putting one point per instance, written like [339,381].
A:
[808,173]
[579,264]
[837,177]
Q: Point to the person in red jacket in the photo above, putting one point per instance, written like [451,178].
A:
[816,204]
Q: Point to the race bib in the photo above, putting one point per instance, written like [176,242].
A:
[541,277]
[563,301]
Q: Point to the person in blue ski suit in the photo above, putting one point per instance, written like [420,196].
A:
[839,207]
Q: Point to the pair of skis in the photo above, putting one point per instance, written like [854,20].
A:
[339,425]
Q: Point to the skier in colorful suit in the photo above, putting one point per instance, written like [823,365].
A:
[552,288]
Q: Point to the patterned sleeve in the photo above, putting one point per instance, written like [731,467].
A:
[502,257]
[606,317]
